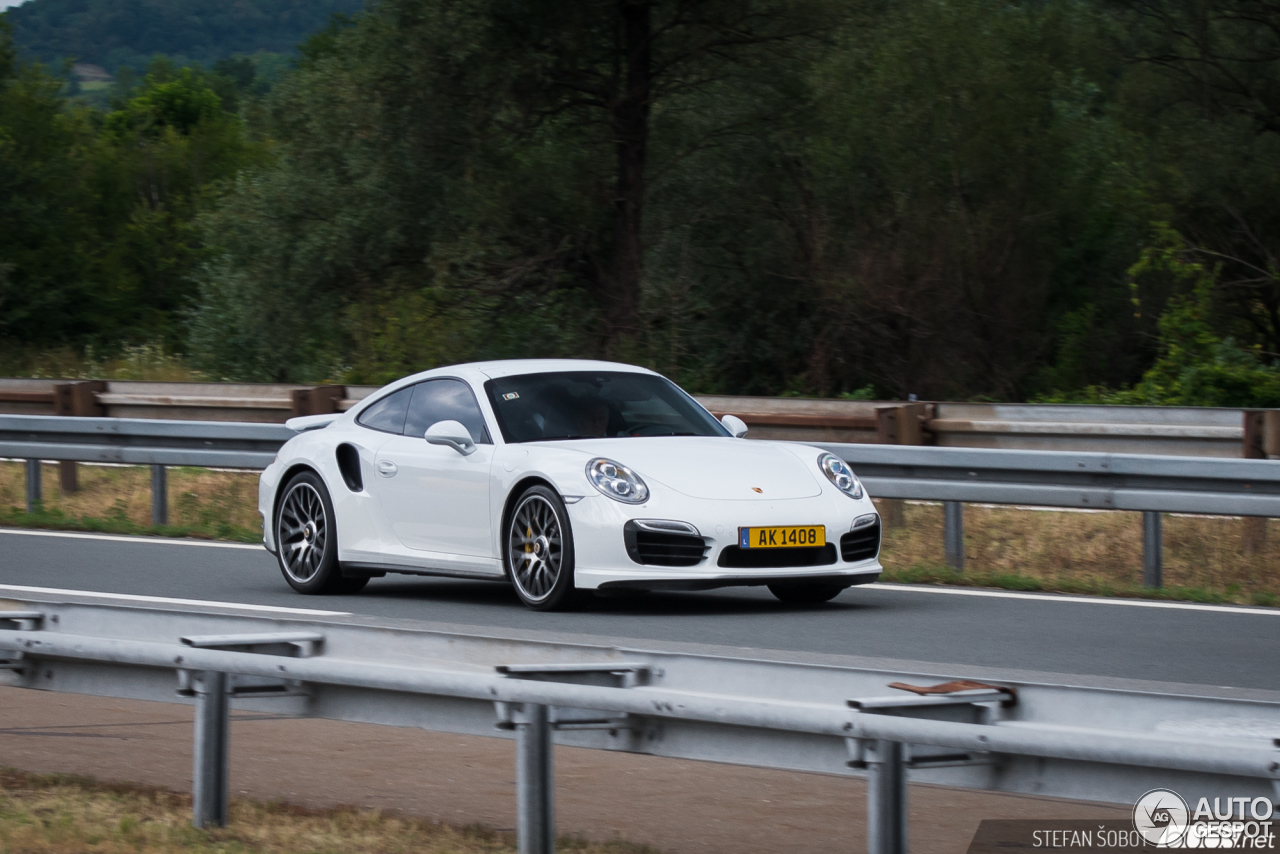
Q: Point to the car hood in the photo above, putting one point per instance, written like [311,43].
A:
[713,468]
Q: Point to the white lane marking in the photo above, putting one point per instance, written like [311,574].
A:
[117,538]
[163,600]
[1087,600]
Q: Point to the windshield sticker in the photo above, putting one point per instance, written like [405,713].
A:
[511,395]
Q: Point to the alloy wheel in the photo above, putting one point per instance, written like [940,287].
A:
[302,532]
[535,547]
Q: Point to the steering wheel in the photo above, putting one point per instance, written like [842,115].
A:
[640,429]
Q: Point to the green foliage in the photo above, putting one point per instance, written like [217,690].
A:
[179,104]
[96,240]
[407,186]
[949,198]
[1195,365]
[44,201]
[112,33]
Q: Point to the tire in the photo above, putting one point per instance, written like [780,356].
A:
[811,593]
[307,541]
[538,551]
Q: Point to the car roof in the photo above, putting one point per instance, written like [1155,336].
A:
[512,367]
[481,371]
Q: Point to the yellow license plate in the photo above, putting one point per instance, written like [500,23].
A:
[782,537]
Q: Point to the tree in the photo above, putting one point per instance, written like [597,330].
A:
[1208,93]
[45,293]
[492,157]
[612,61]
[96,210]
[1195,365]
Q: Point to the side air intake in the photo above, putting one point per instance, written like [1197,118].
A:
[349,465]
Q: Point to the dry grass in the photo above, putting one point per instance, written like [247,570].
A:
[69,815]
[205,503]
[1087,552]
[1005,547]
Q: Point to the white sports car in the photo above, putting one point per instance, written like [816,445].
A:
[560,476]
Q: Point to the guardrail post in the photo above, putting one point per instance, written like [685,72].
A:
[886,800]
[159,495]
[898,425]
[1256,438]
[319,400]
[535,782]
[33,485]
[1152,550]
[953,533]
[212,750]
[76,399]
[1271,434]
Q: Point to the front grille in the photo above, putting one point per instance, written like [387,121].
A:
[861,544]
[662,549]
[740,558]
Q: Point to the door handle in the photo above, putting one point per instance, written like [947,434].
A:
[386,468]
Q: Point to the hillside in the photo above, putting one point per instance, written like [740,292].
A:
[111,33]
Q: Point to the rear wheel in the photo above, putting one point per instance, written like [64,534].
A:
[307,539]
[539,551]
[800,593]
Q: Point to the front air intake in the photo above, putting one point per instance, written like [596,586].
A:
[740,558]
[663,548]
[861,544]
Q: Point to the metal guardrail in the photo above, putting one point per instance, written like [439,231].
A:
[1010,732]
[136,441]
[1063,479]
[1178,431]
[1171,430]
[140,441]
[1147,483]
[1137,482]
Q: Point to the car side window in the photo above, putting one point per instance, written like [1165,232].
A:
[388,414]
[445,400]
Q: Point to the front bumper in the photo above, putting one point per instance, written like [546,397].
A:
[602,561]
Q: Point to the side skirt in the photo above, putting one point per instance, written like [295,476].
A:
[357,569]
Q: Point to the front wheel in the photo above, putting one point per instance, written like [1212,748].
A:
[800,593]
[307,539]
[539,551]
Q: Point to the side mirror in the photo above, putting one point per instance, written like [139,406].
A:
[735,425]
[453,434]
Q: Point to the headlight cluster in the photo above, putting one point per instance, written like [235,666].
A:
[617,481]
[841,475]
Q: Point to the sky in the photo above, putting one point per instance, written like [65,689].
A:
[5,4]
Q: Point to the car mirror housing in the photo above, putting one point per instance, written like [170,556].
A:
[735,425]
[452,434]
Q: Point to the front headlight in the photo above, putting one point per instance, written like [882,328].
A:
[841,475]
[617,481]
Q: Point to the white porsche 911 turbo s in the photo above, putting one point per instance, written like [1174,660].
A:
[560,476]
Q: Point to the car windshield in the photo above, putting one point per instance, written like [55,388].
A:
[594,405]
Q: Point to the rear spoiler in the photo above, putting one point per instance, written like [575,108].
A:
[311,422]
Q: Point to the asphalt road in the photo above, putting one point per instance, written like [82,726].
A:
[1190,644]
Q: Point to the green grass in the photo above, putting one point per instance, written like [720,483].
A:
[55,519]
